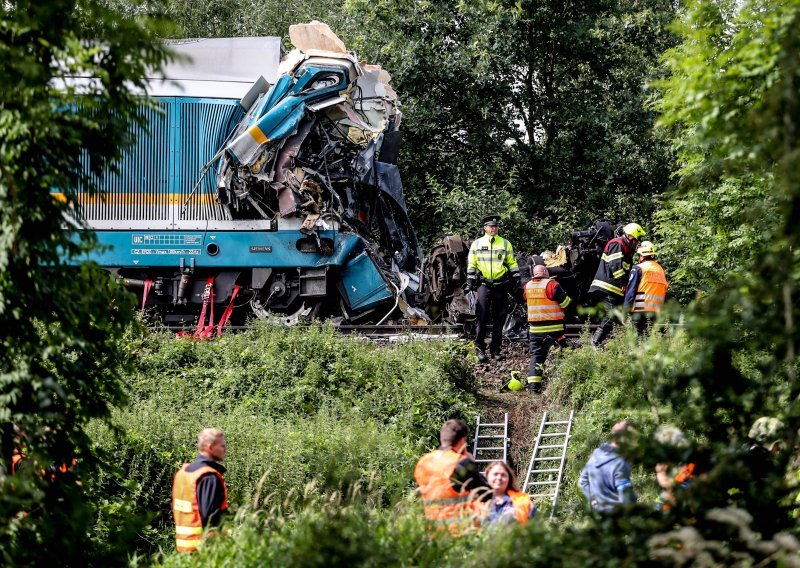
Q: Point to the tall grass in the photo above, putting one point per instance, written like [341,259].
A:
[619,381]
[298,406]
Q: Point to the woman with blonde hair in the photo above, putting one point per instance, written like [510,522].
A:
[508,503]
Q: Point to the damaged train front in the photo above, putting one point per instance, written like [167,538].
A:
[316,153]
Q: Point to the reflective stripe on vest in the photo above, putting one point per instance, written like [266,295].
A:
[522,505]
[652,290]
[185,509]
[491,256]
[444,506]
[544,315]
[608,287]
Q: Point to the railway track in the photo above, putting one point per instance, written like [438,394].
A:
[437,331]
[392,333]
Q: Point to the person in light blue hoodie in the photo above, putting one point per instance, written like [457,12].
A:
[606,478]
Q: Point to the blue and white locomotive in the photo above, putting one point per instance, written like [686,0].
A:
[267,179]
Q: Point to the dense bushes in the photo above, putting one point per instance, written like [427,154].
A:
[607,385]
[298,405]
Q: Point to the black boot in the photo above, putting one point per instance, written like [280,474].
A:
[535,388]
[481,355]
[599,337]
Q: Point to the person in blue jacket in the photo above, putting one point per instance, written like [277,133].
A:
[606,478]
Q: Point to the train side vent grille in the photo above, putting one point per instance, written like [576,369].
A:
[211,123]
[140,188]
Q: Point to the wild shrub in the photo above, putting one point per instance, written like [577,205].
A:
[60,324]
[301,405]
[620,381]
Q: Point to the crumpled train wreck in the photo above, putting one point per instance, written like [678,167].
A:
[322,144]
[298,207]
[270,180]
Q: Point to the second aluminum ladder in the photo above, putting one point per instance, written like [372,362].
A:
[491,441]
[546,469]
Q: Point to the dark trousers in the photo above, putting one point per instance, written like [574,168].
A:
[540,344]
[491,302]
[610,302]
[643,321]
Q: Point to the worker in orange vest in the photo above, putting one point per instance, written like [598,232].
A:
[508,504]
[546,301]
[647,288]
[199,495]
[450,482]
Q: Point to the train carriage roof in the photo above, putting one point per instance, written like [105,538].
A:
[218,67]
[224,68]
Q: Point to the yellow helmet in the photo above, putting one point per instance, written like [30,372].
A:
[634,230]
[514,384]
[646,248]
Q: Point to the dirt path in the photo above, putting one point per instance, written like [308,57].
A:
[524,408]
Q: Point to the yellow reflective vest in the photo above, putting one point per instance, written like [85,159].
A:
[492,258]
[185,509]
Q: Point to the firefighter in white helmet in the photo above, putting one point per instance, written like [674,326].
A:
[647,288]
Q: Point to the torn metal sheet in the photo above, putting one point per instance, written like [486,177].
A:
[312,148]
[315,35]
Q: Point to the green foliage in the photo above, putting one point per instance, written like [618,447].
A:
[465,206]
[552,92]
[327,530]
[62,322]
[234,18]
[714,109]
[298,406]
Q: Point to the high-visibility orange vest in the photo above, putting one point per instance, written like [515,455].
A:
[545,315]
[522,505]
[445,508]
[652,289]
[15,459]
[185,509]
[682,478]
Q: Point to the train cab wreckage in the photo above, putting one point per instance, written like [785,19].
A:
[264,178]
[269,179]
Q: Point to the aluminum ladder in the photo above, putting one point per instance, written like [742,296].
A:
[496,436]
[546,469]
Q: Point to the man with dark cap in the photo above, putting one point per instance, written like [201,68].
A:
[492,272]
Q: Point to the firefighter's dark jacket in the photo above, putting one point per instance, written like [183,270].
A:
[615,265]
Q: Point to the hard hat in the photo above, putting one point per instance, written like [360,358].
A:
[540,271]
[767,431]
[646,249]
[491,220]
[513,384]
[634,230]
